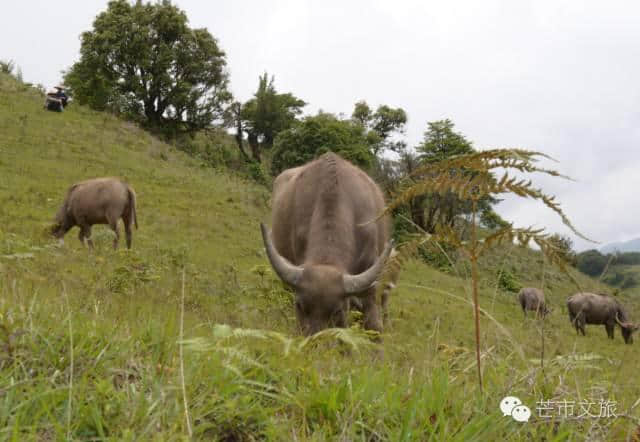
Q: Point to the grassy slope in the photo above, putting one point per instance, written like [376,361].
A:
[116,315]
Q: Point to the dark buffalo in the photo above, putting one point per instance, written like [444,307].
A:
[324,242]
[532,299]
[97,201]
[589,308]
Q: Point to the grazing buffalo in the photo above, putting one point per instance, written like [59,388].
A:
[532,299]
[325,243]
[589,308]
[97,201]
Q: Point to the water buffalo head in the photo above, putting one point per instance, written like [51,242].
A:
[322,291]
[627,329]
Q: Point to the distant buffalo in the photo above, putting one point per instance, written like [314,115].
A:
[589,308]
[532,299]
[97,201]
[325,242]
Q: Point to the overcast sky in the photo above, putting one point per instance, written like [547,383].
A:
[562,77]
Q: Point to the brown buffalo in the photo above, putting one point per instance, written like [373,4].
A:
[589,308]
[532,299]
[323,242]
[97,201]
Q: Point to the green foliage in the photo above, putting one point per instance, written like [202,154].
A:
[564,246]
[441,142]
[131,274]
[507,281]
[432,208]
[591,262]
[621,279]
[491,220]
[266,115]
[628,258]
[257,173]
[380,125]
[7,66]
[319,134]
[437,256]
[144,61]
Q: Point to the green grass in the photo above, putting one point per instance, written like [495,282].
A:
[90,341]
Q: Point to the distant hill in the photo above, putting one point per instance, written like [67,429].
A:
[624,246]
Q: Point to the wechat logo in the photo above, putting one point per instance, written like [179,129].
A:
[512,406]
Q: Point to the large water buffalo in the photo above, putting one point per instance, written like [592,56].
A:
[323,244]
[532,299]
[97,201]
[589,308]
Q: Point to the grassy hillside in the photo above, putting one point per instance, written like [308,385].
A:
[90,342]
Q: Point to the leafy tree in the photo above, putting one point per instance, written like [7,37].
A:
[6,66]
[318,134]
[592,262]
[491,220]
[380,125]
[144,60]
[564,246]
[441,142]
[264,116]
[628,258]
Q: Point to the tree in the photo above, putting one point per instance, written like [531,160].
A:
[144,60]
[592,262]
[6,66]
[318,134]
[264,116]
[380,125]
[564,246]
[441,142]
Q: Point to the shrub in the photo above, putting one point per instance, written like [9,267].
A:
[508,282]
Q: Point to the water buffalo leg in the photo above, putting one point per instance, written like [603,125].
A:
[114,226]
[126,220]
[85,234]
[81,236]
[610,329]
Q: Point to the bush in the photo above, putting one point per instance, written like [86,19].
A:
[317,135]
[508,282]
[433,256]
[591,262]
[6,66]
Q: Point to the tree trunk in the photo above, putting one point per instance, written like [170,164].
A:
[417,212]
[255,147]
[239,140]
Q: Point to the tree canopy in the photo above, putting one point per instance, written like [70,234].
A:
[265,115]
[380,125]
[144,60]
[429,209]
[318,134]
